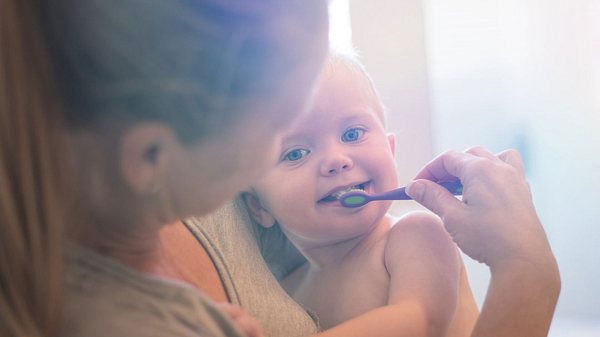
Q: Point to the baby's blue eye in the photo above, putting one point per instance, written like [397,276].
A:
[296,154]
[352,135]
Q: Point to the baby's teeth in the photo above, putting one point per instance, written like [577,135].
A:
[338,194]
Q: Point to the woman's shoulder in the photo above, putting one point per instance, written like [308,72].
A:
[103,297]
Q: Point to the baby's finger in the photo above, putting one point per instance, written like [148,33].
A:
[232,310]
[512,158]
[249,326]
[245,322]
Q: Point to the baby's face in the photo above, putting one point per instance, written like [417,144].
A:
[340,144]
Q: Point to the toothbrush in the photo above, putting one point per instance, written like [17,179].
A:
[359,198]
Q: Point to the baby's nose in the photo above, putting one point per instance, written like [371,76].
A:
[336,164]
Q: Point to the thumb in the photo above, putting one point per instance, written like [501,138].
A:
[433,196]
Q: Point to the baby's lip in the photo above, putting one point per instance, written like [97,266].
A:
[334,193]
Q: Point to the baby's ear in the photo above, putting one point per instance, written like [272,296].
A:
[256,209]
[392,140]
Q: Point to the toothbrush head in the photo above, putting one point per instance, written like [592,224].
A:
[354,199]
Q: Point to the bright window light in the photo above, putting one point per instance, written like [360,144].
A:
[340,30]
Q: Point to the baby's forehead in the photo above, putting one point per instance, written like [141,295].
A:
[348,75]
[331,114]
[322,124]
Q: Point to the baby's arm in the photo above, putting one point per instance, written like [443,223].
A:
[424,273]
[424,269]
[467,312]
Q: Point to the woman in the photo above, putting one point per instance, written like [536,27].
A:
[163,103]
[164,106]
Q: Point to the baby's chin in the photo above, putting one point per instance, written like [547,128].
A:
[366,215]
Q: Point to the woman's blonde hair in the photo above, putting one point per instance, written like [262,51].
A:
[31,228]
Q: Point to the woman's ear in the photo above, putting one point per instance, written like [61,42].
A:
[143,157]
[392,140]
[257,211]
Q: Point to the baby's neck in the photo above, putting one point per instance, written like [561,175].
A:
[333,254]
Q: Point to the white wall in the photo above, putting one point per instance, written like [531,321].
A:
[389,37]
[526,74]
[511,73]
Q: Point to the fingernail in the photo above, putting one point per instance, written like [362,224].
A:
[415,190]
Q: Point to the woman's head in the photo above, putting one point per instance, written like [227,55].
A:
[151,92]
[218,78]
[194,65]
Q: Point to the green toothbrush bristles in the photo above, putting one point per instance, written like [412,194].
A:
[355,200]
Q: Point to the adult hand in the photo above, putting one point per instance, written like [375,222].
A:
[247,324]
[495,222]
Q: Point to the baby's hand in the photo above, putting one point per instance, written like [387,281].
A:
[247,324]
[496,222]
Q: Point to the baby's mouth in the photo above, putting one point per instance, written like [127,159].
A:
[337,194]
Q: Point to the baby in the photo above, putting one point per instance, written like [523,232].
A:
[368,274]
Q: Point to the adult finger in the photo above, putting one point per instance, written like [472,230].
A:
[512,158]
[433,196]
[446,166]
[480,151]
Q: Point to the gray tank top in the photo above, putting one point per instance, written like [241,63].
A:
[230,239]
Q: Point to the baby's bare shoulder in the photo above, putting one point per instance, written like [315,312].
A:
[419,236]
[418,225]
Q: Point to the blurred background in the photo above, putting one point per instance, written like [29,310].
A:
[523,74]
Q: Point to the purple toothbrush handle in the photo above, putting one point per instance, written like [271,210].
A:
[455,187]
[395,194]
